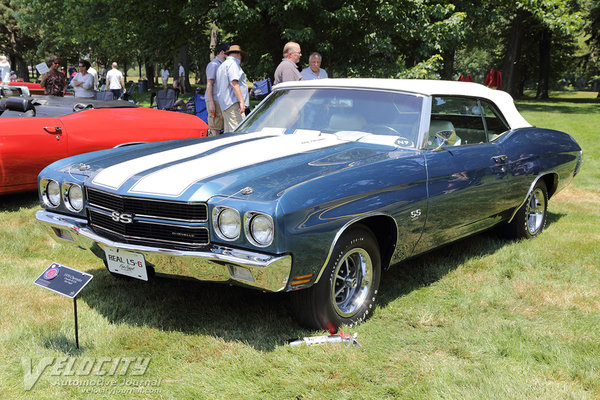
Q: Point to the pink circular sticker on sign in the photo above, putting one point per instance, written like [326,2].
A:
[51,273]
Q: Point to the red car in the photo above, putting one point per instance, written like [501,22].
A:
[35,132]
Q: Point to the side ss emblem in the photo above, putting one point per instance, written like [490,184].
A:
[124,218]
[414,215]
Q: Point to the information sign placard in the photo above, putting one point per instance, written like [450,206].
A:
[63,280]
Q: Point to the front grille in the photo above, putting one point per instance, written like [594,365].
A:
[196,212]
[165,223]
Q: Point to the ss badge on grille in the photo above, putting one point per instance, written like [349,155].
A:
[121,217]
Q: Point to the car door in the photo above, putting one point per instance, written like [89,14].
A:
[27,145]
[466,172]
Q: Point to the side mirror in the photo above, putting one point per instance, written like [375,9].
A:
[442,138]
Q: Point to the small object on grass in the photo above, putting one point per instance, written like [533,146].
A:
[337,338]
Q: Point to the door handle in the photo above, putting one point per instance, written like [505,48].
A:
[499,159]
[55,130]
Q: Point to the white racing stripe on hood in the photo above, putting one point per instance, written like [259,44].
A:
[174,180]
[116,175]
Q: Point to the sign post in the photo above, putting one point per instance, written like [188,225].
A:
[76,328]
[65,281]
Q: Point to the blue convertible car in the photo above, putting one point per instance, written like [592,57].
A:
[324,184]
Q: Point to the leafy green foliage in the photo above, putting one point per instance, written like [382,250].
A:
[365,38]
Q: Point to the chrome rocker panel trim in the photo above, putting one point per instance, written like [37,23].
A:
[217,263]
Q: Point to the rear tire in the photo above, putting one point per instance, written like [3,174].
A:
[530,220]
[346,292]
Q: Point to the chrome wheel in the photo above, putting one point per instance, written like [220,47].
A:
[353,278]
[345,294]
[536,209]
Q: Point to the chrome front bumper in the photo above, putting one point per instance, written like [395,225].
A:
[216,263]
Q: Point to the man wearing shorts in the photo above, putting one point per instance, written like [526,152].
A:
[215,116]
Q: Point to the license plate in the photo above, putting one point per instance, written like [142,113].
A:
[126,263]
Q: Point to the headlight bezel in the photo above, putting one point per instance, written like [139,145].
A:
[67,196]
[249,219]
[46,197]
[216,218]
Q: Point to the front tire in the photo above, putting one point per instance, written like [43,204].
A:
[346,292]
[530,220]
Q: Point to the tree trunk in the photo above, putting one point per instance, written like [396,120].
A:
[214,41]
[125,71]
[447,71]
[182,56]
[149,72]
[544,77]
[511,65]
[15,51]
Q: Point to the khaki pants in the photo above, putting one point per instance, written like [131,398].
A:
[232,117]
[215,122]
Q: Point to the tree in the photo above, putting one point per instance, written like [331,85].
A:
[551,18]
[14,43]
[592,56]
[375,38]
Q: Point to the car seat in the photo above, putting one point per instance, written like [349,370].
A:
[346,122]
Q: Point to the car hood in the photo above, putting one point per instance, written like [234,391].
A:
[259,166]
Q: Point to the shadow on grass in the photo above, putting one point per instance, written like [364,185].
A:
[261,320]
[232,313]
[63,344]
[553,217]
[14,202]
[428,268]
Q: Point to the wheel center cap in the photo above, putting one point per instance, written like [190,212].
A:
[351,282]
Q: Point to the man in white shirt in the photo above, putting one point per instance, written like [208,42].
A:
[4,70]
[115,82]
[314,70]
[92,71]
[164,75]
[232,89]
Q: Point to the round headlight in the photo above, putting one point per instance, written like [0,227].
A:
[261,230]
[53,193]
[75,197]
[229,223]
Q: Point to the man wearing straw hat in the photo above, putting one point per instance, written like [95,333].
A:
[232,89]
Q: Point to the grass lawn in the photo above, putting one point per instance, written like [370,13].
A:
[484,318]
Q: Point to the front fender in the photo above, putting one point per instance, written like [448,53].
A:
[315,214]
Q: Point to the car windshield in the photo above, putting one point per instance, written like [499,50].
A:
[352,113]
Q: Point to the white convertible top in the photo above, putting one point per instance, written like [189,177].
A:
[501,99]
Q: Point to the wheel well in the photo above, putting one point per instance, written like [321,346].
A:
[385,231]
[551,181]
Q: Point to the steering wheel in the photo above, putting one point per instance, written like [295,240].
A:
[388,130]
[383,129]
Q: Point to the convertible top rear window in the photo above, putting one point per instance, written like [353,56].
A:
[372,112]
